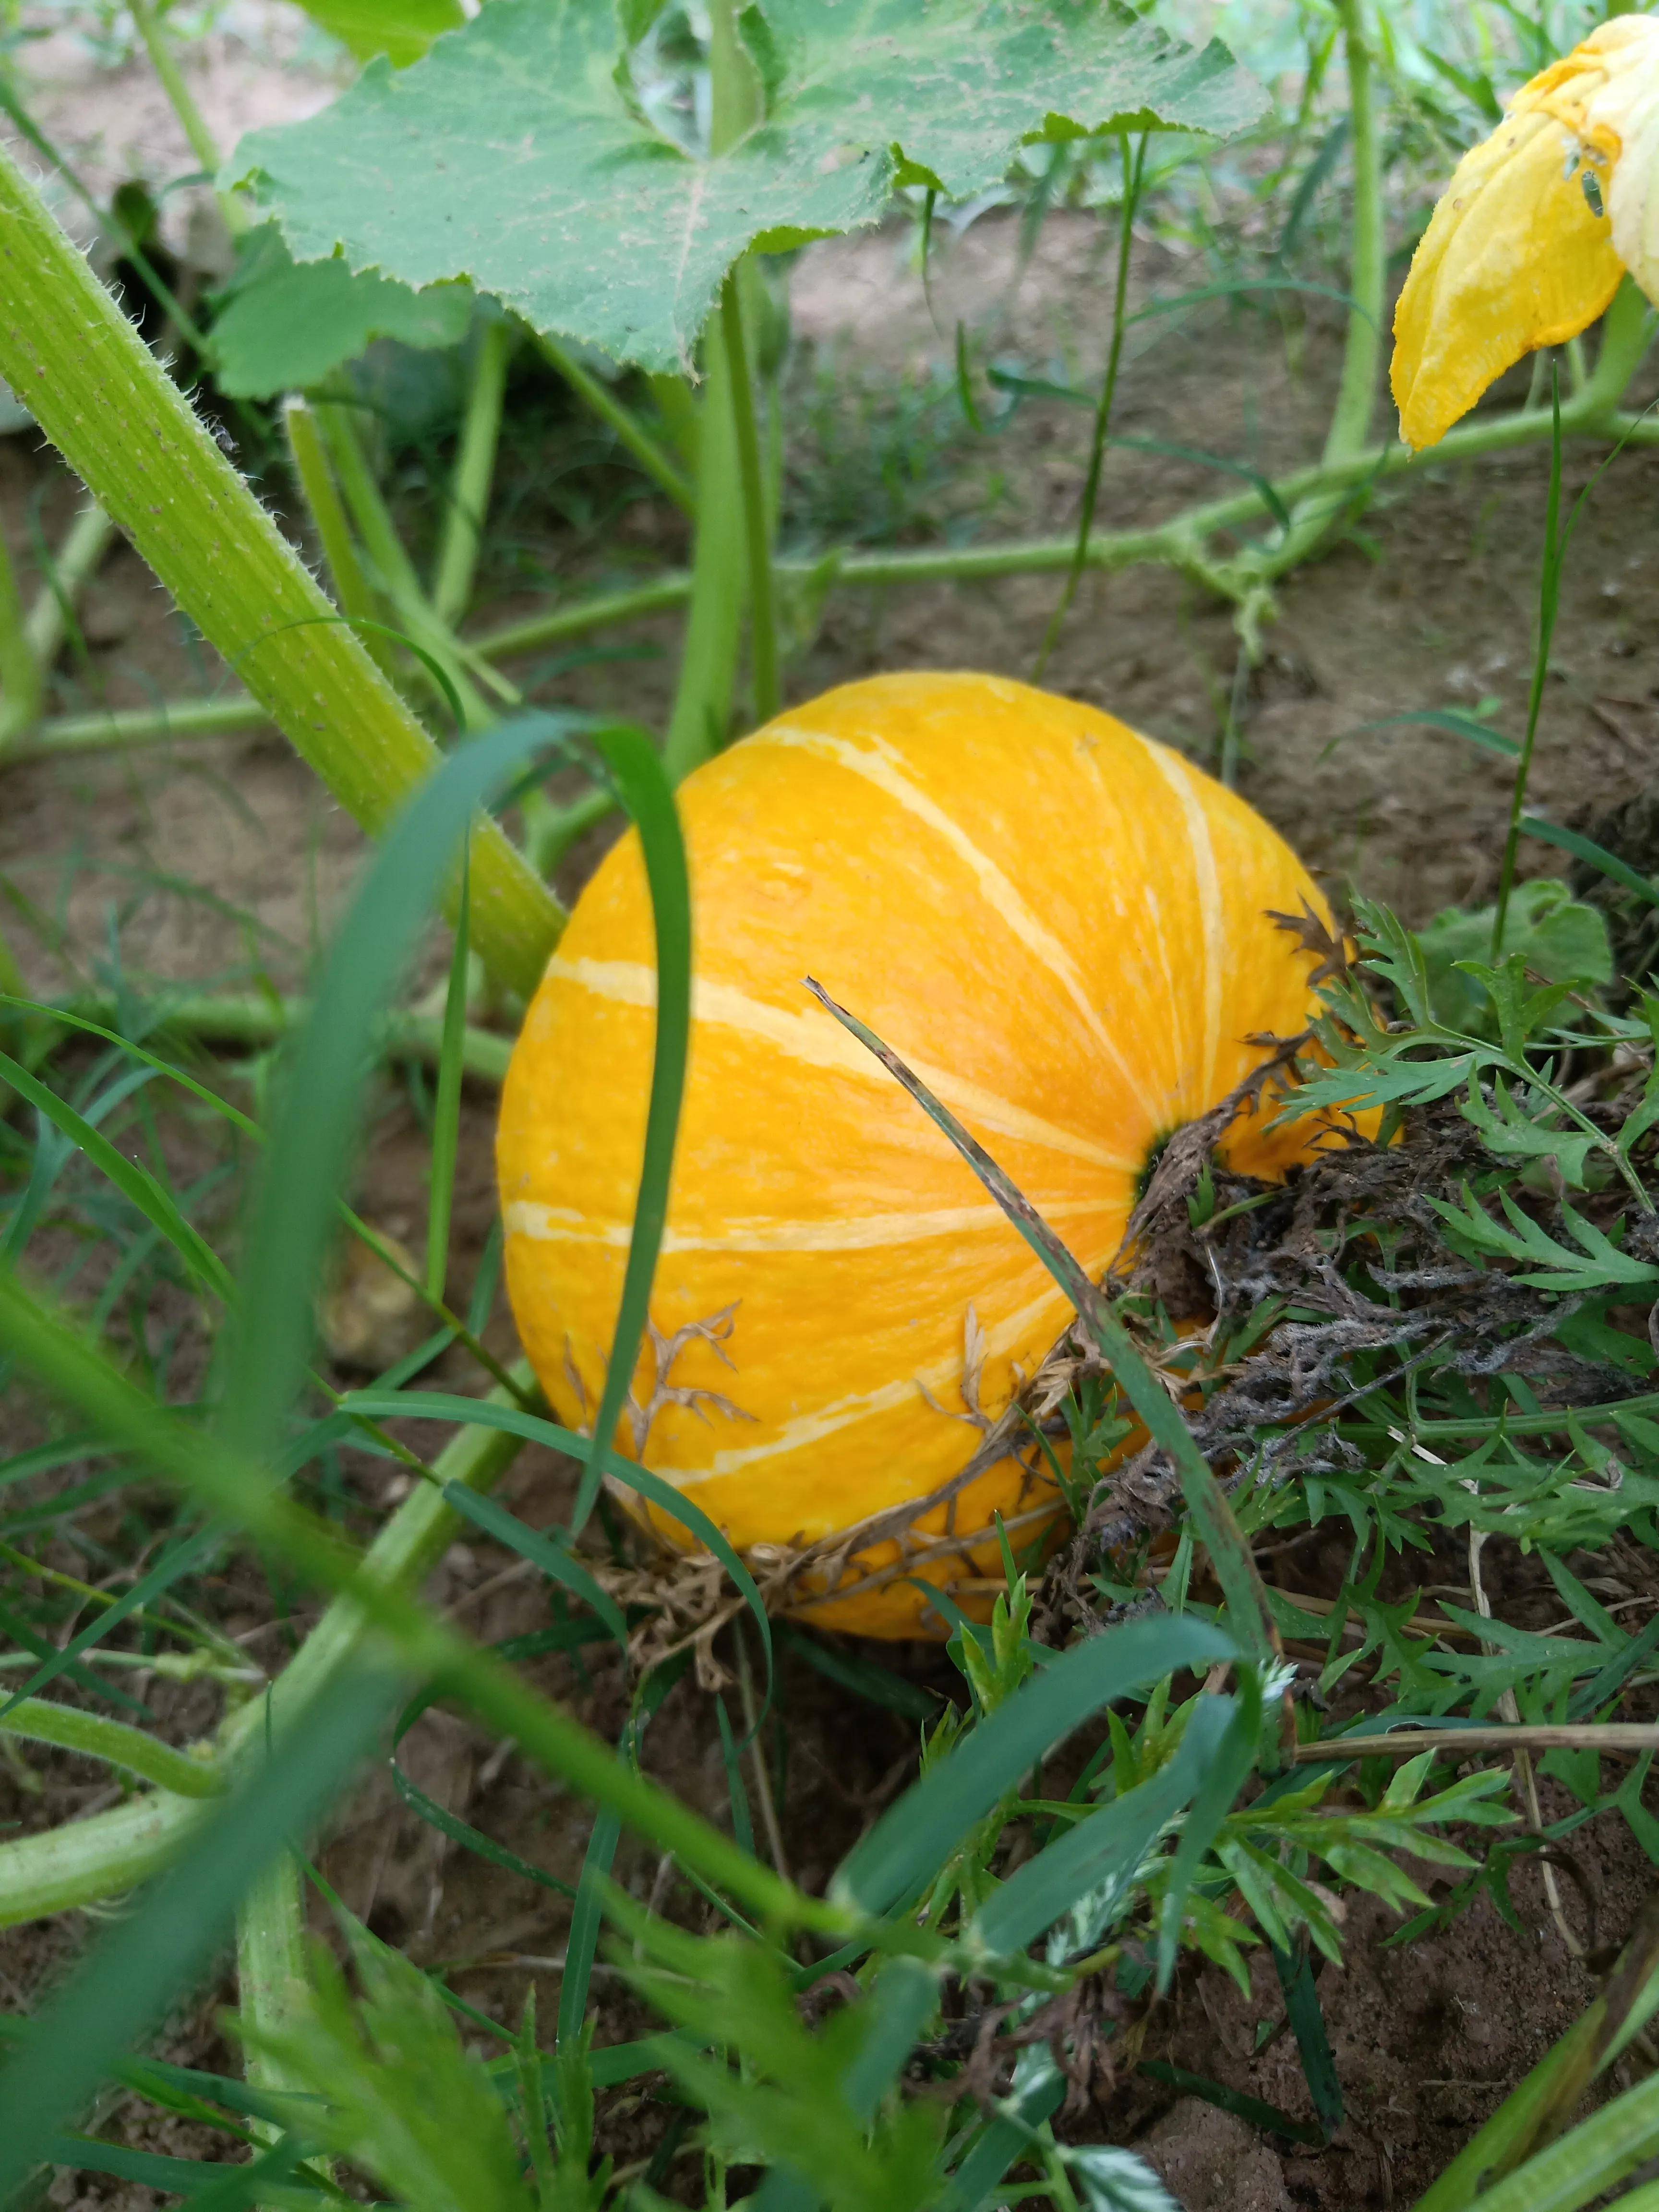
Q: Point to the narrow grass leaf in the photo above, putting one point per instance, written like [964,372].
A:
[327,1065]
[1307,2019]
[61,1360]
[1100,1853]
[743,1825]
[446,1109]
[179,1559]
[915,1836]
[470,1839]
[206,2184]
[850,1670]
[542,1553]
[1597,856]
[135,1972]
[637,773]
[25,1639]
[1211,1515]
[1228,1730]
[436,1406]
[136,1184]
[975,2184]
[1600,2153]
[1252,2111]
[1604,1686]
[900,2004]
[1436,718]
[586,1919]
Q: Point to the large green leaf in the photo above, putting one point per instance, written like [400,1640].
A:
[285,325]
[515,154]
[400,29]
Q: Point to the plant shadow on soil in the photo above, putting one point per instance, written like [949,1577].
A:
[1428,605]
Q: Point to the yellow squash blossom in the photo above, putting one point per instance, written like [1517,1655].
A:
[1538,224]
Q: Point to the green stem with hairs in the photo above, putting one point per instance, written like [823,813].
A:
[357,599]
[254,1019]
[757,528]
[1179,544]
[127,430]
[131,727]
[1362,352]
[394,571]
[65,575]
[629,431]
[700,718]
[21,677]
[93,1735]
[474,474]
[272,1984]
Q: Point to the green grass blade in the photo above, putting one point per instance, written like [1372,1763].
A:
[135,1183]
[74,1371]
[974,2185]
[1228,1732]
[915,1836]
[133,1974]
[902,2000]
[1587,849]
[864,1678]
[435,1406]
[1598,2154]
[178,1560]
[1107,1848]
[586,1918]
[93,1735]
[322,1082]
[470,1839]
[1252,2111]
[637,775]
[553,1560]
[1211,1515]
[447,1111]
[1307,2019]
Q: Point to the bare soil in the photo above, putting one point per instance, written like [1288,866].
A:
[223,860]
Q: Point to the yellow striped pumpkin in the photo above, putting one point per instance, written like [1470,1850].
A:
[1059,924]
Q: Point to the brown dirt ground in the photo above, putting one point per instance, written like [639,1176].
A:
[1429,604]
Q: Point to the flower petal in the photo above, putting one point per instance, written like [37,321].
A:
[1515,257]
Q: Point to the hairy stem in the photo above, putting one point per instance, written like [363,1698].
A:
[270,1973]
[357,599]
[1356,396]
[66,574]
[701,719]
[394,571]
[21,678]
[120,420]
[474,473]
[93,1735]
[757,535]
